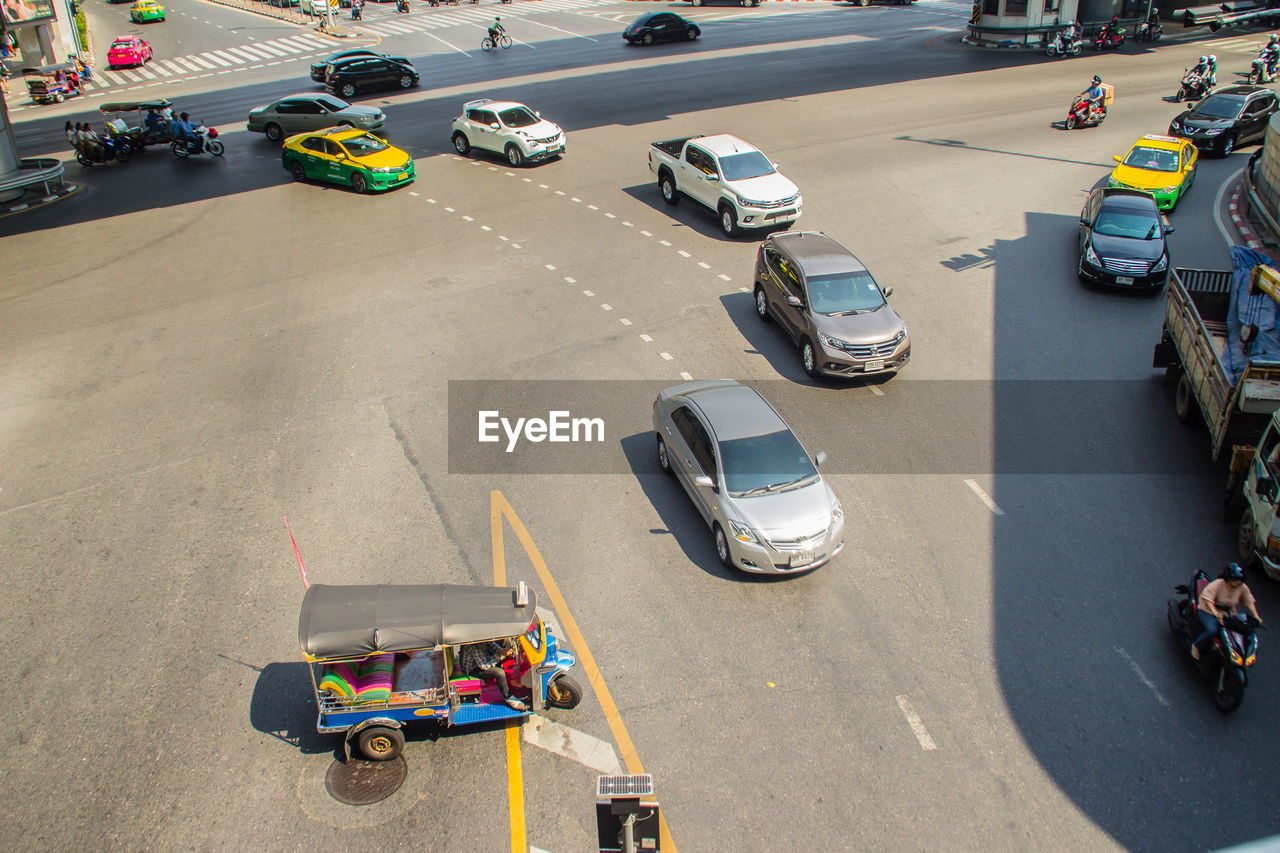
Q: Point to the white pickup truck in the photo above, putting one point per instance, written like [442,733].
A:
[727,175]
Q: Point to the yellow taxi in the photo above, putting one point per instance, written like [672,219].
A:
[1164,166]
[146,10]
[345,155]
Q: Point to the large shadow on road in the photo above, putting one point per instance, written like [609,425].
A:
[1115,716]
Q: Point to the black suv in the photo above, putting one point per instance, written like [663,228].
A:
[1230,117]
[318,69]
[358,73]
[660,26]
[1122,240]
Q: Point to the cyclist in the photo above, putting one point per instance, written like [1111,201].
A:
[495,30]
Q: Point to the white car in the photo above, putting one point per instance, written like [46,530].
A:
[507,128]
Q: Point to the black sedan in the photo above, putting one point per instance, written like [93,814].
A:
[318,68]
[661,26]
[1230,117]
[1122,240]
[360,73]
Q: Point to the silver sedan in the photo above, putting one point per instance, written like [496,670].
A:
[311,111]
[756,487]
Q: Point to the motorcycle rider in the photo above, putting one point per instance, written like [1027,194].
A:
[1212,79]
[1270,54]
[1094,95]
[357,7]
[495,29]
[1109,29]
[182,129]
[1219,599]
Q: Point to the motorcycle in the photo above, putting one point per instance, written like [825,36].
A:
[1082,114]
[184,148]
[402,6]
[1261,71]
[1109,39]
[357,11]
[1062,45]
[1226,660]
[1149,32]
[1194,86]
[113,148]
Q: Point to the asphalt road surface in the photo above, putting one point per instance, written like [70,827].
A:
[192,350]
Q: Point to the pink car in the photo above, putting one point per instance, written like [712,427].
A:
[128,50]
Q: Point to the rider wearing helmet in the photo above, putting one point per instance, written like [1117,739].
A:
[1213,71]
[1270,54]
[1219,599]
[495,29]
[1094,94]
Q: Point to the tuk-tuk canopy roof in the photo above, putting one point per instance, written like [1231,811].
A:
[354,621]
[131,106]
[50,69]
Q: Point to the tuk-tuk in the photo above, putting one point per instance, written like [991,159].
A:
[129,119]
[52,84]
[382,656]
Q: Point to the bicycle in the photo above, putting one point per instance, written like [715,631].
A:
[488,44]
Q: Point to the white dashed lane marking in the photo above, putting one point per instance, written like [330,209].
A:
[917,726]
[984,497]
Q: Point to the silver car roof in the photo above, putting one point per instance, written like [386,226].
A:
[737,411]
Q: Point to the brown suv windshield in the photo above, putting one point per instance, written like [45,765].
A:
[844,293]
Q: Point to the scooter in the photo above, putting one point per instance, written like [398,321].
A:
[1109,39]
[112,149]
[1194,86]
[1062,45]
[1149,32]
[402,6]
[1226,660]
[1260,71]
[1082,114]
[184,148]
[357,10]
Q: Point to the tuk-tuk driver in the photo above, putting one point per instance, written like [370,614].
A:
[155,124]
[484,660]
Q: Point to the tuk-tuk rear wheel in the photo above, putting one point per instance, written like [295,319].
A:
[563,692]
[57,97]
[380,743]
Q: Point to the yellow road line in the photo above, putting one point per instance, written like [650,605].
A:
[515,770]
[515,789]
[498,508]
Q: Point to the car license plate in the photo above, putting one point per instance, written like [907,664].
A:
[779,214]
[1124,279]
[878,364]
[801,558]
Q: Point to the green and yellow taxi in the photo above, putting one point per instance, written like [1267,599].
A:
[1164,166]
[146,10]
[344,155]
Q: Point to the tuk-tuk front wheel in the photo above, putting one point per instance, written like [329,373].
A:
[563,692]
[380,743]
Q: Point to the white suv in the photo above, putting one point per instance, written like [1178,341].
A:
[508,128]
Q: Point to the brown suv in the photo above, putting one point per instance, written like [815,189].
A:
[830,305]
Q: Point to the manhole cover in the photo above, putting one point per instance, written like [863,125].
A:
[363,783]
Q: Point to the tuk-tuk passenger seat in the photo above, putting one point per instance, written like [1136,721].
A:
[465,686]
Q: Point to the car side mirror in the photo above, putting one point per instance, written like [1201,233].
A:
[888,291]
[538,114]
[1117,158]
[493,125]
[819,458]
[704,481]
[775,165]
[713,178]
[794,301]
[342,156]
[1084,220]
[1168,229]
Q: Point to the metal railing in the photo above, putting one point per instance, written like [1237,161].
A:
[45,170]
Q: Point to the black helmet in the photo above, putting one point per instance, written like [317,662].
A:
[1096,79]
[1233,572]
